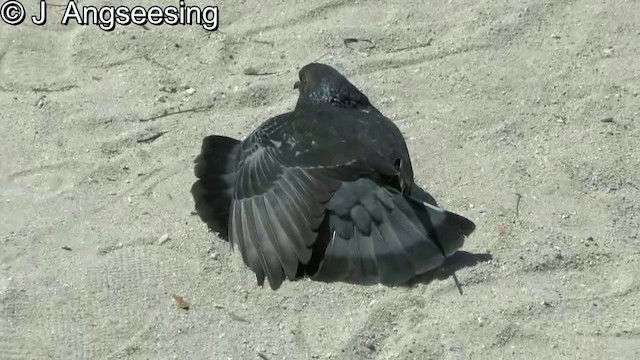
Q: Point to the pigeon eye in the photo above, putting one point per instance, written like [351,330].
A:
[303,79]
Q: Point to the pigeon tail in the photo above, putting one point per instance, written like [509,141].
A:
[213,191]
[389,242]
[447,230]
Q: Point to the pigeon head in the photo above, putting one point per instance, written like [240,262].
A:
[321,84]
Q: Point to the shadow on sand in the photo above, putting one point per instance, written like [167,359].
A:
[455,262]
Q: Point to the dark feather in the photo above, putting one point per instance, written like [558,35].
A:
[402,242]
[215,170]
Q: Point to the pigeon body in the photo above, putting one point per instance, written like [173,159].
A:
[325,191]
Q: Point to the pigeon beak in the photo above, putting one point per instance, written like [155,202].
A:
[296,85]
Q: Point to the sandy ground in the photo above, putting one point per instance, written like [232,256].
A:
[521,115]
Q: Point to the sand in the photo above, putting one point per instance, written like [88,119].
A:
[521,115]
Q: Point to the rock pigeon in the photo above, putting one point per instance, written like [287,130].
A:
[325,191]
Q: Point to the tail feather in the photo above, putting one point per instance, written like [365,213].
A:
[212,192]
[448,230]
[411,237]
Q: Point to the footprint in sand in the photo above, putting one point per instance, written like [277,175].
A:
[49,180]
[31,57]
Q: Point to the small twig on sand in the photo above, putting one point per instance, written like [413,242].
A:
[323,55]
[151,137]
[455,279]
[45,89]
[412,47]
[167,113]
[251,71]
[237,318]
[154,61]
[181,303]
[517,214]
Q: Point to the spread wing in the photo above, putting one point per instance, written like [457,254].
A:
[279,202]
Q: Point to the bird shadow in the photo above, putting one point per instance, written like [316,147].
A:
[459,260]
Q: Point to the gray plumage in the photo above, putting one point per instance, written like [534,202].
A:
[325,191]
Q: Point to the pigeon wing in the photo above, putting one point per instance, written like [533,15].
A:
[278,204]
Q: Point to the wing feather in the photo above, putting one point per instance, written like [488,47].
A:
[280,207]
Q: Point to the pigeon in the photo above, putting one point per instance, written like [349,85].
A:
[326,192]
